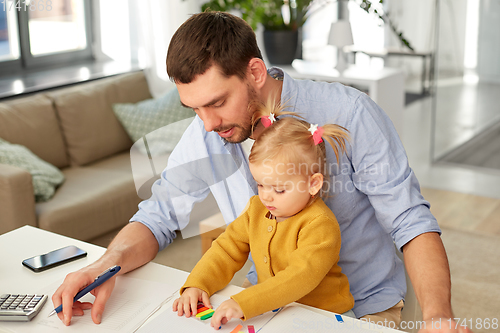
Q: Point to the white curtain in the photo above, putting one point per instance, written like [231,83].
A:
[155,22]
[140,31]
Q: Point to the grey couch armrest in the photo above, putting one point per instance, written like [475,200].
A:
[17,201]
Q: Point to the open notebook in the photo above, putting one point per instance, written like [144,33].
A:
[291,318]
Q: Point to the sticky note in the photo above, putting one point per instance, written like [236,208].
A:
[208,315]
[251,329]
[204,308]
[237,329]
[339,318]
[200,305]
[201,314]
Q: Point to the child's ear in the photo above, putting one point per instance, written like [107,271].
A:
[315,183]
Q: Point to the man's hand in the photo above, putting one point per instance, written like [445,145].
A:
[133,247]
[73,283]
[225,312]
[443,325]
[188,302]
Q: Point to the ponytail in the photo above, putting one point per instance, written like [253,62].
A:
[293,140]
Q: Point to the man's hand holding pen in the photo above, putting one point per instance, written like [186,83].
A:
[86,281]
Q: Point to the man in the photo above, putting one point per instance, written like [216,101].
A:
[214,60]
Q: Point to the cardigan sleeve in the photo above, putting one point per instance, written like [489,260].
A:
[227,255]
[318,248]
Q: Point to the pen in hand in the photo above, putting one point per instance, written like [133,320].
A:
[105,276]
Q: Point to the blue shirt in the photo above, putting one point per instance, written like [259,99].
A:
[374,193]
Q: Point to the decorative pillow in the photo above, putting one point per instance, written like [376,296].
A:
[46,177]
[150,118]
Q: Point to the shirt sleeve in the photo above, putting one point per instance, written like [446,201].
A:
[382,172]
[226,256]
[317,251]
[181,185]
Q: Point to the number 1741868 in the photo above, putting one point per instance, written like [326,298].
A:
[477,324]
[25,5]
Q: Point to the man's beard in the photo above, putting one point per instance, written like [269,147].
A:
[246,125]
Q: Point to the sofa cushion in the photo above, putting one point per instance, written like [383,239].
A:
[32,122]
[45,177]
[151,117]
[158,120]
[93,200]
[89,126]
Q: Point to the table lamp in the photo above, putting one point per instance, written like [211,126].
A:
[340,36]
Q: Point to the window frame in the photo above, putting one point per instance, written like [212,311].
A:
[27,61]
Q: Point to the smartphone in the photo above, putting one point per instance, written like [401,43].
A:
[55,258]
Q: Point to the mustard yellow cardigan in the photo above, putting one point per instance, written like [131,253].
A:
[296,260]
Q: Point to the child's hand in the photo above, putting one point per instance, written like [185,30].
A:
[188,302]
[225,312]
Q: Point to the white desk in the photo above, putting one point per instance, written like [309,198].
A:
[385,86]
[28,241]
[427,75]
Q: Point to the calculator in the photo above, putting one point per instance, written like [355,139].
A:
[14,307]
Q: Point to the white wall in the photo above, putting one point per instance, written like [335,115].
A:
[488,51]
[416,19]
[452,36]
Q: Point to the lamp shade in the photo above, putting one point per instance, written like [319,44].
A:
[340,34]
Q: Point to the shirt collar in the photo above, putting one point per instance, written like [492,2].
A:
[289,89]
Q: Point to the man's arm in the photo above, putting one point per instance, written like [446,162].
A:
[133,247]
[427,265]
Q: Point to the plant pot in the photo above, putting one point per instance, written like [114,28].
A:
[283,46]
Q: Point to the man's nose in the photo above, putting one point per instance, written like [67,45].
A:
[210,119]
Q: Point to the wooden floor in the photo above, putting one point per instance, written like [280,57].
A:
[464,212]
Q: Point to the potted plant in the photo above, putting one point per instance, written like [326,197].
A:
[282,21]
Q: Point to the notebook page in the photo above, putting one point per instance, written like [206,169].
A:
[169,319]
[295,318]
[132,300]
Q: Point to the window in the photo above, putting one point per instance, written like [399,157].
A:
[9,40]
[41,33]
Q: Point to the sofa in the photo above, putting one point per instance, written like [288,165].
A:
[75,130]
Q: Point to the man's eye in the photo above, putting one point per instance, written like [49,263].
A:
[279,191]
[219,104]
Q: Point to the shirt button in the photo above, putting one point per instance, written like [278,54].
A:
[265,259]
[270,228]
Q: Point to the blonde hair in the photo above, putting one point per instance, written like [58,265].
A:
[290,141]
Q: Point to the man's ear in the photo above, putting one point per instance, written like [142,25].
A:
[257,72]
[315,183]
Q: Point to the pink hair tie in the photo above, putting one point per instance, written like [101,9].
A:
[317,133]
[268,120]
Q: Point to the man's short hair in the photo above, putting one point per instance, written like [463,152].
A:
[211,38]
